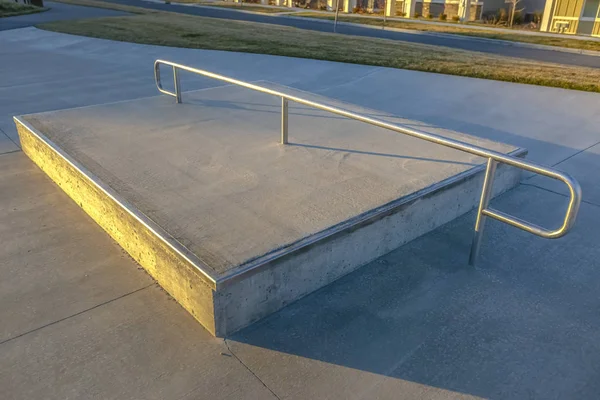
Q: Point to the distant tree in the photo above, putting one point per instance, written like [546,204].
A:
[512,11]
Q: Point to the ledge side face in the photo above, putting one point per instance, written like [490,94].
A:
[246,300]
[172,272]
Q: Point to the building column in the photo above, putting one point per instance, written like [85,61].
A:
[464,10]
[546,24]
[264,2]
[349,5]
[390,8]
[409,8]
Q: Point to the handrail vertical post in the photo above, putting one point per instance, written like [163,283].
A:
[177,85]
[157,76]
[284,120]
[486,195]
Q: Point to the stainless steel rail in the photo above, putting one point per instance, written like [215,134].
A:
[493,157]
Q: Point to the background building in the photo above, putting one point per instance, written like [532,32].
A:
[572,17]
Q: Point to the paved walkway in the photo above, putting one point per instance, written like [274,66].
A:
[81,321]
[57,12]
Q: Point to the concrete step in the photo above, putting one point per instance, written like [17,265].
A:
[235,225]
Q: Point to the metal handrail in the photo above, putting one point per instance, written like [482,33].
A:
[493,157]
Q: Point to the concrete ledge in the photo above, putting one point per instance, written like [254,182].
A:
[280,279]
[175,269]
[229,286]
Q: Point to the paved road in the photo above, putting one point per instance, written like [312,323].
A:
[57,12]
[326,26]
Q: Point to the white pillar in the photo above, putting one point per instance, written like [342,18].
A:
[464,9]
[546,24]
[370,5]
[409,8]
[280,2]
[264,2]
[390,8]
[331,5]
[349,5]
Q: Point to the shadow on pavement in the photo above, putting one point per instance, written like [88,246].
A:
[523,324]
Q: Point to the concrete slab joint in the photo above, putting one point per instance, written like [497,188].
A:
[232,224]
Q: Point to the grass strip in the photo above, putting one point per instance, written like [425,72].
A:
[179,30]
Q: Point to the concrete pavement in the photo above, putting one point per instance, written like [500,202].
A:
[82,321]
[586,160]
[79,316]
[57,12]
[413,324]
[418,324]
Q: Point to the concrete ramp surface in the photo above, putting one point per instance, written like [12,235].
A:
[235,225]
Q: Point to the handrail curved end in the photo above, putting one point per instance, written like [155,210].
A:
[574,204]
[157,79]
[157,74]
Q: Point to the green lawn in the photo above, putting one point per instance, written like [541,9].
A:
[11,9]
[236,6]
[110,6]
[464,30]
[178,30]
